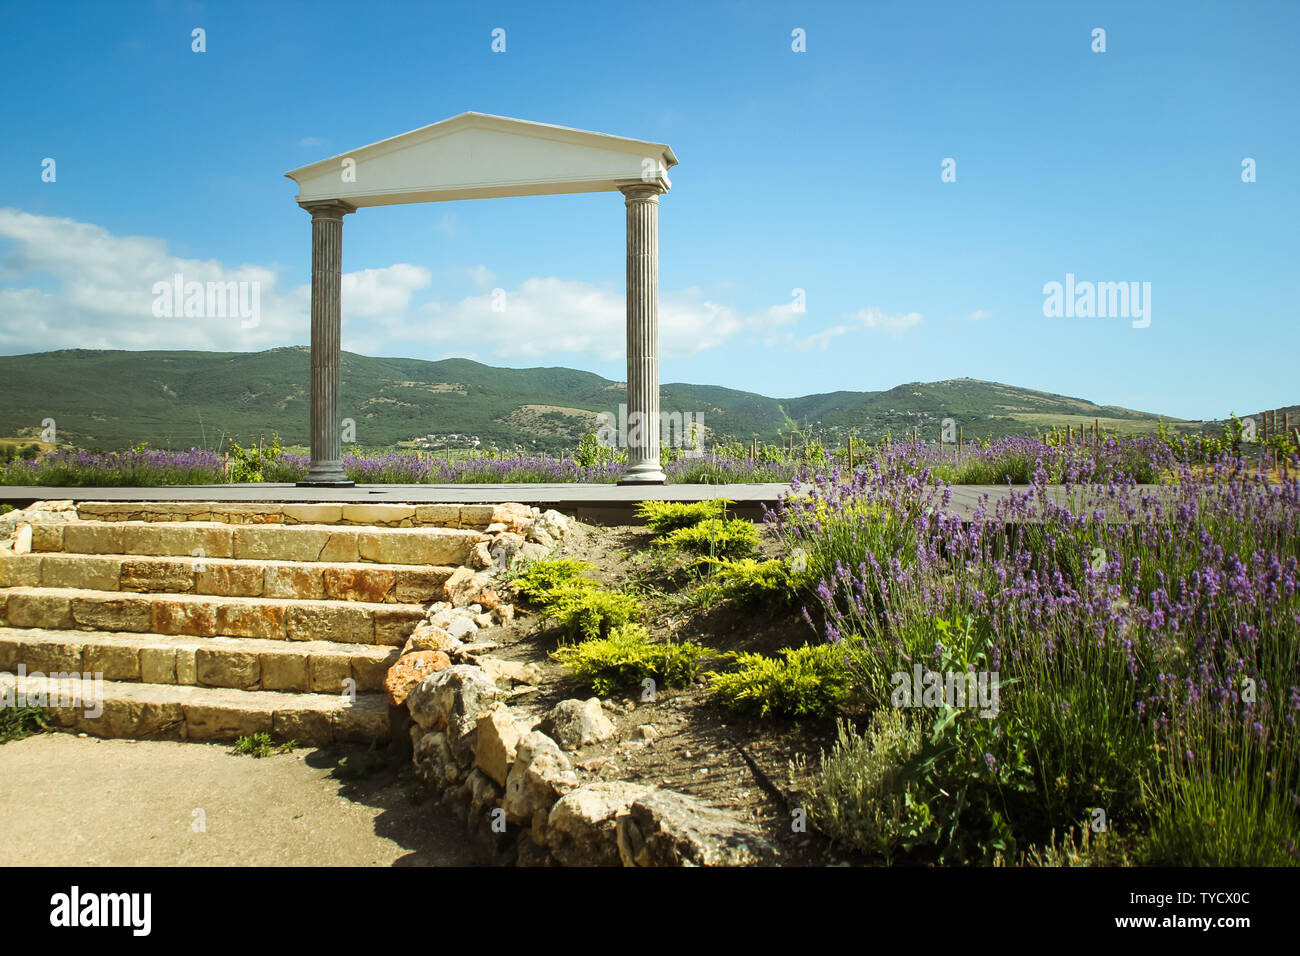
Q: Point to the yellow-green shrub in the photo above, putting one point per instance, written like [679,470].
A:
[665,516]
[751,581]
[590,612]
[580,606]
[714,538]
[541,580]
[627,657]
[809,681]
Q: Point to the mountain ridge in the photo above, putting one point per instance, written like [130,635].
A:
[113,398]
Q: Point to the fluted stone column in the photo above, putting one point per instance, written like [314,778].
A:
[643,334]
[326,318]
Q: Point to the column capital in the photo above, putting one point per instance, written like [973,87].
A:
[643,192]
[328,208]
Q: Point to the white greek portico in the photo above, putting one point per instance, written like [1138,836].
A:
[477,156]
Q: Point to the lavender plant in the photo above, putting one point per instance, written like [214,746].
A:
[1154,635]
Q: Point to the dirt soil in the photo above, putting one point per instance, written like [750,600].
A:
[81,801]
[726,760]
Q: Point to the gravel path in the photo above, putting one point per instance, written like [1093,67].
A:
[81,801]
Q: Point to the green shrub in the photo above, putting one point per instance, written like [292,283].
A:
[255,463]
[665,516]
[580,605]
[5,509]
[19,722]
[1102,849]
[1225,806]
[541,580]
[808,681]
[591,452]
[858,796]
[714,538]
[589,612]
[750,581]
[627,657]
[261,745]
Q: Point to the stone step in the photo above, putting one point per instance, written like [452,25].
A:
[227,577]
[380,514]
[264,542]
[180,712]
[243,663]
[347,622]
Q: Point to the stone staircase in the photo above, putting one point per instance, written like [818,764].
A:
[209,621]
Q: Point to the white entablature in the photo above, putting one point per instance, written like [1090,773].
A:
[477,155]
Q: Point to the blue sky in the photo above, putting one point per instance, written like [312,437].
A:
[818,170]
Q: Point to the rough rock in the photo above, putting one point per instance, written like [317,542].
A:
[433,760]
[465,586]
[481,557]
[576,723]
[547,528]
[505,550]
[581,829]
[498,738]
[468,652]
[483,796]
[512,671]
[452,699]
[409,670]
[512,516]
[10,521]
[534,552]
[540,775]
[430,637]
[665,828]
[503,613]
[528,853]
[458,622]
[23,539]
[541,536]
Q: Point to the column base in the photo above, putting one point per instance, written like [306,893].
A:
[646,473]
[326,474]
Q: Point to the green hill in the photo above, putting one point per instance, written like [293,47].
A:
[113,399]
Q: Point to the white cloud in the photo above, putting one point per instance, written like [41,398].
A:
[382,292]
[881,321]
[67,284]
[102,292]
[311,141]
[872,319]
[546,316]
[76,285]
[979,315]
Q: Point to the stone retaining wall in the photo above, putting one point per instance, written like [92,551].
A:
[480,740]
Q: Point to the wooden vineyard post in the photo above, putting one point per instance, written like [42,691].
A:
[850,453]
[753,449]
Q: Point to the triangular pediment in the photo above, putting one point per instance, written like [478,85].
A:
[475,155]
